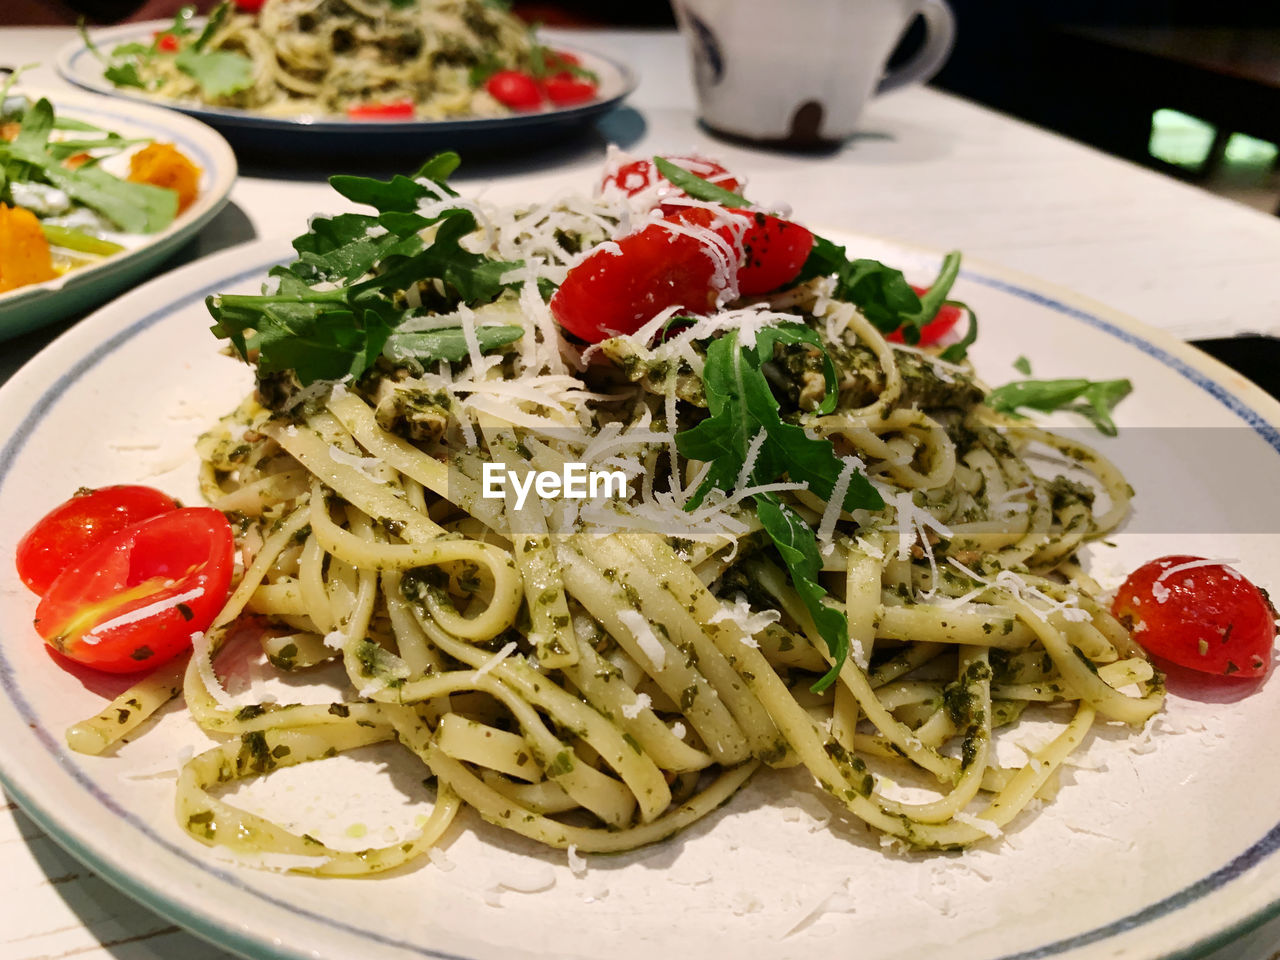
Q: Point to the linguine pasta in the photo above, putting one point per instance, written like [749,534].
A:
[323,57]
[600,674]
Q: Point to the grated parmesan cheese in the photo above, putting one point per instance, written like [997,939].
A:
[202,657]
[141,613]
[1192,565]
[633,710]
[979,823]
[496,659]
[739,613]
[835,505]
[577,865]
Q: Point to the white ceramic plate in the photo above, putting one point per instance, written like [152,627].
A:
[42,303]
[266,133]
[1158,844]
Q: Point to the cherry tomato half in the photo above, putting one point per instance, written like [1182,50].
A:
[562,59]
[773,252]
[72,528]
[134,600]
[1199,614]
[396,110]
[615,291]
[639,175]
[564,89]
[166,42]
[515,89]
[934,330]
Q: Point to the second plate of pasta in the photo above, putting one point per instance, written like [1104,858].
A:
[290,101]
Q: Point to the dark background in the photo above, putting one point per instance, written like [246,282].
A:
[1030,59]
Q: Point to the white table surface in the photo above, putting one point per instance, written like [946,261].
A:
[930,170]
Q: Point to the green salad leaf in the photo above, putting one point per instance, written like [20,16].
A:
[696,187]
[216,19]
[746,417]
[1093,399]
[340,303]
[219,73]
[882,294]
[132,207]
[449,343]
[124,75]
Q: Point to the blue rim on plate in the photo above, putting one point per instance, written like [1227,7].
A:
[77,64]
[210,277]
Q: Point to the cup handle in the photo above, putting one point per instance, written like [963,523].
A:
[940,35]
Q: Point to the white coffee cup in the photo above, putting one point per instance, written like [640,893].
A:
[799,72]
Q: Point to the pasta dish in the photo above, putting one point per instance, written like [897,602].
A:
[364,59]
[822,542]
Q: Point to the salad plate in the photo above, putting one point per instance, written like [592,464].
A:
[35,305]
[79,65]
[1165,844]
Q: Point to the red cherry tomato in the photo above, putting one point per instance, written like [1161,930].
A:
[562,58]
[72,528]
[396,110]
[937,328]
[165,42]
[134,600]
[564,89]
[773,251]
[1206,617]
[639,175]
[615,291]
[514,89]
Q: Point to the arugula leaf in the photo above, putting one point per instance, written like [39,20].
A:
[400,194]
[124,75]
[219,73]
[483,69]
[307,336]
[69,148]
[786,333]
[724,438]
[213,24]
[83,30]
[696,187]
[1098,398]
[880,292]
[448,343]
[181,25]
[67,123]
[742,406]
[798,548]
[134,49]
[960,349]
[1023,366]
[340,303]
[133,207]
[37,124]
